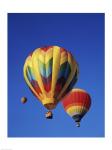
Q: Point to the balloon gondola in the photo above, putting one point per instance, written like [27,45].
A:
[49,115]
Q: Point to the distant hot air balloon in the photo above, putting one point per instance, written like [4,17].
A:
[23,100]
[76,103]
[50,72]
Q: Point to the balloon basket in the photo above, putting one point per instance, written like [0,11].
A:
[77,124]
[49,115]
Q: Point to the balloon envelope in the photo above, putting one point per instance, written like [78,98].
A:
[76,103]
[23,100]
[50,72]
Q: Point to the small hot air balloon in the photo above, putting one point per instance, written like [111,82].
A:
[23,100]
[76,103]
[50,72]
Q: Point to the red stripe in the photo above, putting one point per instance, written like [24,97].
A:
[62,50]
[35,86]
[77,97]
[47,87]
[46,48]
[58,89]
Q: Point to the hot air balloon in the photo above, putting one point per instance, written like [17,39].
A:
[76,103]
[23,100]
[50,72]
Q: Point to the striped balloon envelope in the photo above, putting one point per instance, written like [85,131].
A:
[50,72]
[76,103]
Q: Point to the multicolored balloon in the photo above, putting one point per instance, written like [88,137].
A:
[50,72]
[76,103]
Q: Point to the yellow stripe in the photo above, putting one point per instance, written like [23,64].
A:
[44,57]
[63,59]
[36,71]
[63,54]
[55,68]
[73,104]
[41,57]
[76,109]
[28,62]
[78,90]
[73,66]
[49,55]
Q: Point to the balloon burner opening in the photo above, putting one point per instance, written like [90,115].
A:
[50,106]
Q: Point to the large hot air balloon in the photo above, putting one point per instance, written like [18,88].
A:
[76,103]
[50,72]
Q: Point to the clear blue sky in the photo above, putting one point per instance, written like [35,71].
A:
[83,35]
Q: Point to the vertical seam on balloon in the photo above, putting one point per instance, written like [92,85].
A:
[55,68]
[83,103]
[36,70]
[47,68]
